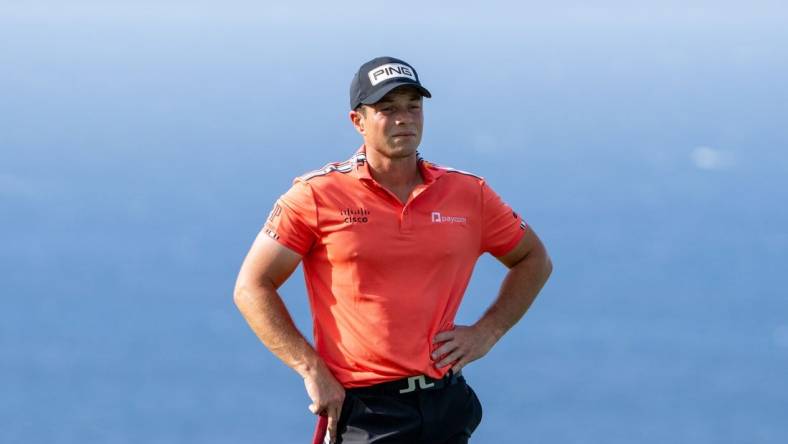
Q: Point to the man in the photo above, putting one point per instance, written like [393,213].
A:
[388,242]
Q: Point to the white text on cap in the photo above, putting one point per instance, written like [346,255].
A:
[390,70]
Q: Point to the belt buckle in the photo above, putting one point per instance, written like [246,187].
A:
[423,384]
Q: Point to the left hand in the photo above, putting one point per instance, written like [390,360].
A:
[461,346]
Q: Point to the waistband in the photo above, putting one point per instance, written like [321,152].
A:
[411,384]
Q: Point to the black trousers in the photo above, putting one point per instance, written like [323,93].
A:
[443,411]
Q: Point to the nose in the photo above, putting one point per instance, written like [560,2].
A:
[404,117]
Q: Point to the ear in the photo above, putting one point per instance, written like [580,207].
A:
[358,121]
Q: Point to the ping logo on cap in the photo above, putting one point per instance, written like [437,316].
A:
[389,71]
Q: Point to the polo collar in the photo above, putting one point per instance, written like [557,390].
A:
[429,171]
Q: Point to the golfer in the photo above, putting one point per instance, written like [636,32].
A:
[388,242]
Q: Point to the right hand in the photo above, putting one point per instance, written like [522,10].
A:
[327,396]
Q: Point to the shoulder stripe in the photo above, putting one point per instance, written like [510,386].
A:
[454,170]
[330,168]
[343,167]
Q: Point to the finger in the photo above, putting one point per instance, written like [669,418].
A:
[447,347]
[459,365]
[314,409]
[333,419]
[453,357]
[443,336]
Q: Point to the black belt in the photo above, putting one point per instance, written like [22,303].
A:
[412,384]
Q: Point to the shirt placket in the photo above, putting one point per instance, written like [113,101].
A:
[406,216]
[405,211]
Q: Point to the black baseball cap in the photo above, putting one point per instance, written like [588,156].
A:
[379,76]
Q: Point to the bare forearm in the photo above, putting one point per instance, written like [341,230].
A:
[268,317]
[518,291]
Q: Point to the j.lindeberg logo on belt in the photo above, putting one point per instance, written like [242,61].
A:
[438,218]
[355,215]
[412,384]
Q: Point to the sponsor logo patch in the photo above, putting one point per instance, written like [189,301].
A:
[390,71]
[438,218]
[355,215]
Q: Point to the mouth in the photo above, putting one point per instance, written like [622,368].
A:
[404,135]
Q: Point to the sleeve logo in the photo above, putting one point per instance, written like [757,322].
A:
[275,212]
[271,233]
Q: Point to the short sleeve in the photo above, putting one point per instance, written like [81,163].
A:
[502,227]
[293,220]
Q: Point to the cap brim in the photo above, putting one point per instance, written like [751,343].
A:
[375,98]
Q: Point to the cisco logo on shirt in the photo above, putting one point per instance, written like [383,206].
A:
[438,218]
[390,71]
[355,215]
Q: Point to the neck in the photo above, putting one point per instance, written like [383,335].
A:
[394,172]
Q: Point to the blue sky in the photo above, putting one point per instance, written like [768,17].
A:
[383,13]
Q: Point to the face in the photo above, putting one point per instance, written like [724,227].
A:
[392,126]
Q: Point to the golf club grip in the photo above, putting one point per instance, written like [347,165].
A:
[320,429]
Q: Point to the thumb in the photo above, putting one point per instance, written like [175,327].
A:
[313,408]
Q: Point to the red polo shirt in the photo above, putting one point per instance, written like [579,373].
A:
[384,277]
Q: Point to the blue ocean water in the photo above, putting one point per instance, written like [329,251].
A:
[138,159]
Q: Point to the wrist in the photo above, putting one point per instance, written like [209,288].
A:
[489,331]
[312,368]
